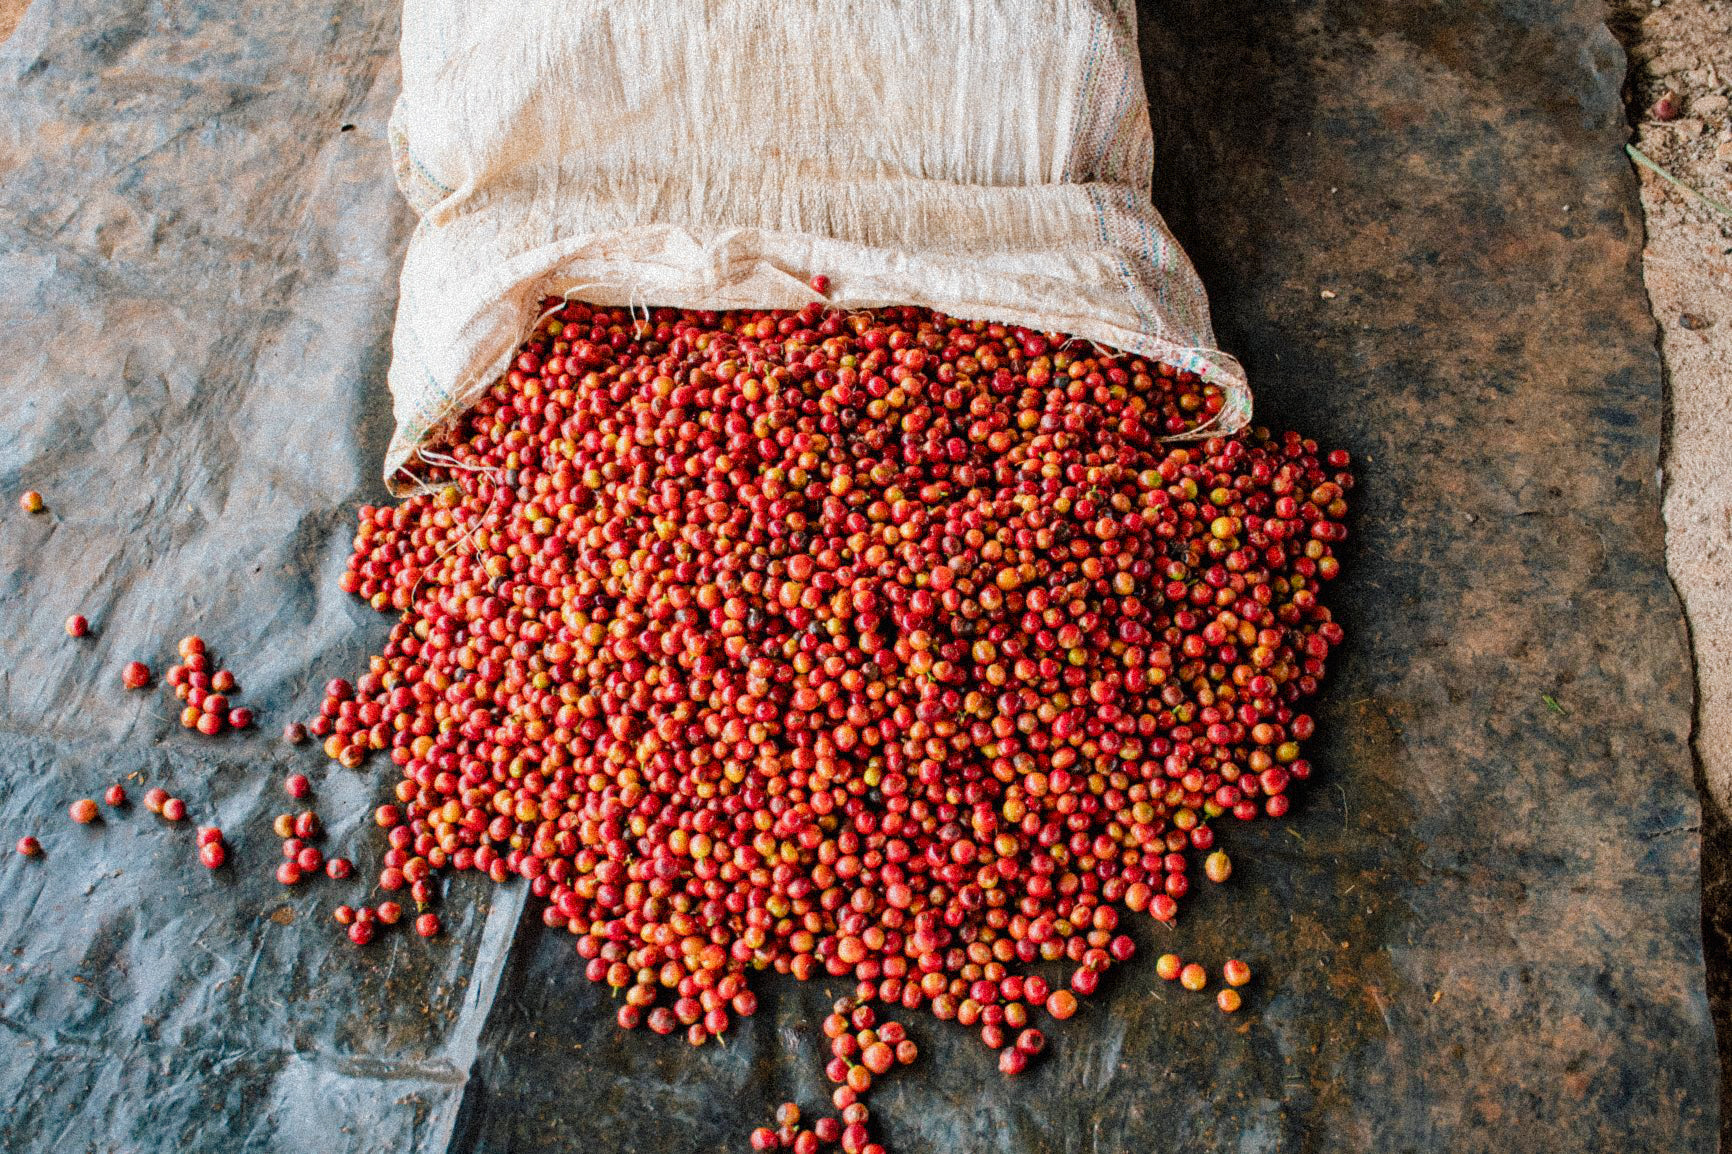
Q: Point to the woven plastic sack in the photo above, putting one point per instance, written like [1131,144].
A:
[990,159]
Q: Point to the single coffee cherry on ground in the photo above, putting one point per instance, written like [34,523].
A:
[1193,977]
[289,874]
[174,809]
[240,717]
[361,932]
[1168,966]
[136,675]
[115,796]
[212,854]
[294,733]
[1218,867]
[77,625]
[29,846]
[1235,972]
[190,645]
[1228,999]
[154,797]
[210,834]
[389,912]
[83,811]
[343,915]
[338,868]
[298,786]
[1061,1004]
[222,681]
[30,501]
[427,925]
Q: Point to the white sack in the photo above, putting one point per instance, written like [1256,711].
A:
[987,158]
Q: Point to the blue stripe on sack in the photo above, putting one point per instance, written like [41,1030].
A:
[1085,100]
[1149,324]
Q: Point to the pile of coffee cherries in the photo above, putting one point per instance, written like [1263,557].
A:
[879,646]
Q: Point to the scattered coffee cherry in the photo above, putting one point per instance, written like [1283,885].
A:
[427,925]
[212,854]
[389,912]
[30,501]
[1031,1042]
[77,625]
[307,825]
[1167,966]
[284,826]
[1228,999]
[1218,867]
[209,835]
[310,859]
[1235,972]
[361,933]
[292,848]
[83,811]
[298,786]
[1061,1004]
[343,915]
[154,798]
[136,675]
[29,846]
[878,1057]
[191,716]
[1012,1062]
[821,284]
[190,646]
[209,724]
[294,733]
[338,868]
[289,874]
[222,681]
[1193,977]
[115,796]
[764,1138]
[240,717]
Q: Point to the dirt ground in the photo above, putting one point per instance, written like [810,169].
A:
[1679,88]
